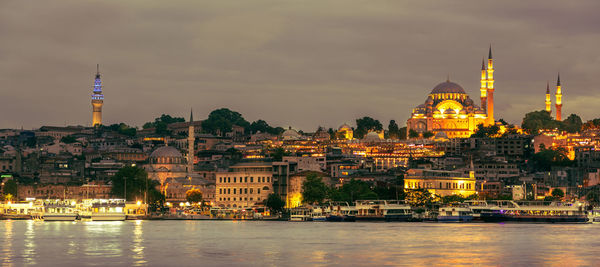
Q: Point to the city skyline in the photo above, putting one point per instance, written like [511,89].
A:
[340,65]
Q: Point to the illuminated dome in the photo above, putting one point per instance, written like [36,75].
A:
[448,87]
[344,127]
[165,151]
[372,137]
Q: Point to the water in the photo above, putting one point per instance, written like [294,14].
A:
[210,243]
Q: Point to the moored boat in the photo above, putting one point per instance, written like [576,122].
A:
[455,213]
[56,210]
[382,210]
[537,212]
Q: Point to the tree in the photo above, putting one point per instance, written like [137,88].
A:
[393,130]
[413,134]
[486,131]
[419,197]
[352,191]
[546,158]
[428,135]
[558,193]
[10,187]
[313,189]
[538,120]
[135,180]
[221,121]
[193,195]
[279,153]
[123,129]
[572,124]
[69,139]
[366,124]
[275,203]
[165,119]
[402,133]
[264,127]
[592,124]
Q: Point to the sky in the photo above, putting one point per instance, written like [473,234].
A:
[299,64]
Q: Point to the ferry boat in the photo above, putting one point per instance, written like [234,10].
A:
[383,210]
[455,213]
[594,215]
[56,210]
[317,214]
[300,214]
[104,210]
[534,211]
[341,212]
[480,206]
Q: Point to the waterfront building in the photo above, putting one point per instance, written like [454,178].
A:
[97,99]
[245,185]
[282,170]
[439,182]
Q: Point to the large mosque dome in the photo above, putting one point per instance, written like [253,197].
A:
[448,87]
[166,155]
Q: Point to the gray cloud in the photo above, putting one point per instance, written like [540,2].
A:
[298,63]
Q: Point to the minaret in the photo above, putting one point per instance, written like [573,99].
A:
[191,140]
[97,99]
[490,90]
[548,102]
[558,100]
[483,87]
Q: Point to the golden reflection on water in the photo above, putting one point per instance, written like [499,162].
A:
[7,243]
[138,246]
[102,239]
[29,250]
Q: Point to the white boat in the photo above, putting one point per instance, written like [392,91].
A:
[594,215]
[536,211]
[104,210]
[56,210]
[455,213]
[317,214]
[300,214]
[379,210]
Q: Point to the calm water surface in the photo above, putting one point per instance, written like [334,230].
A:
[225,243]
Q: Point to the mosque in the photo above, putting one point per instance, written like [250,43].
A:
[449,111]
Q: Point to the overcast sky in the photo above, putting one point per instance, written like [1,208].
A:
[292,63]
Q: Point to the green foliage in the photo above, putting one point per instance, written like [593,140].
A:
[593,197]
[402,133]
[278,153]
[558,193]
[136,180]
[366,124]
[538,120]
[486,131]
[572,124]
[123,129]
[353,190]
[275,203]
[193,195]
[457,198]
[160,124]
[418,197]
[313,189]
[10,187]
[69,139]
[222,121]
[264,127]
[428,135]
[393,130]
[413,134]
[546,158]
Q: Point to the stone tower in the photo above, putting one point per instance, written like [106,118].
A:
[97,99]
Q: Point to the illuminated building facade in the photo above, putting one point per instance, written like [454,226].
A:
[245,185]
[346,132]
[442,183]
[97,99]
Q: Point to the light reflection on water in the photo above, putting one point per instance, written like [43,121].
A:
[167,243]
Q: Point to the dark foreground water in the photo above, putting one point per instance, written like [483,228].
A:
[226,243]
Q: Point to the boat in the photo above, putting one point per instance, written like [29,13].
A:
[56,210]
[104,210]
[382,210]
[480,206]
[317,214]
[455,212]
[535,211]
[300,214]
[594,215]
[341,212]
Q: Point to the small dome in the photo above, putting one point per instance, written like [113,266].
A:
[165,151]
[441,135]
[447,87]
[372,137]
[290,134]
[344,127]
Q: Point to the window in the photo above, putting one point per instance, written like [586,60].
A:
[229,179]
[258,190]
[228,190]
[220,179]
[234,179]
[251,190]
[220,190]
[234,191]
[268,178]
[252,179]
[246,190]
[246,179]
